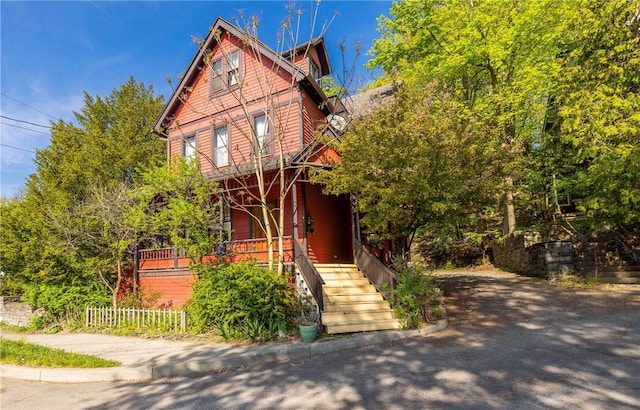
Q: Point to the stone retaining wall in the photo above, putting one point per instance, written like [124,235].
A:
[13,312]
[526,254]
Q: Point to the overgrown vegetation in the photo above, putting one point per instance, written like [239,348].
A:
[241,300]
[417,297]
[64,305]
[22,353]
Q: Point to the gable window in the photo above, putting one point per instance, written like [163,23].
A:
[189,146]
[216,75]
[233,66]
[225,70]
[261,127]
[314,70]
[221,146]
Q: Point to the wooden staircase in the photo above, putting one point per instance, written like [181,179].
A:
[351,302]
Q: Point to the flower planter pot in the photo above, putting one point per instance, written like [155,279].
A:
[308,333]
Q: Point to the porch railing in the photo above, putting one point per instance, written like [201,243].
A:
[375,270]
[236,250]
[310,274]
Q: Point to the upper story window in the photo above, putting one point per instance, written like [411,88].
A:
[314,70]
[225,71]
[221,146]
[233,67]
[262,130]
[189,146]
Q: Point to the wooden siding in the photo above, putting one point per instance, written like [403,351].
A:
[289,108]
[313,118]
[331,240]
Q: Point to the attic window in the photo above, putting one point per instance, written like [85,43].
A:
[225,70]
[314,70]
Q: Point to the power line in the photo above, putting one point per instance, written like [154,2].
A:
[19,149]
[23,128]
[27,105]
[26,122]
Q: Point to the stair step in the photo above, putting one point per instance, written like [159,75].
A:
[360,297]
[336,266]
[346,282]
[348,290]
[364,326]
[333,318]
[611,268]
[356,306]
[342,275]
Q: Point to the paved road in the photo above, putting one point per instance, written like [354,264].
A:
[511,343]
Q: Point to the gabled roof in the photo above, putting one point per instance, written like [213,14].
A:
[323,56]
[196,63]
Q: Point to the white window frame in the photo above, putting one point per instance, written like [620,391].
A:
[262,141]
[225,71]
[189,146]
[221,148]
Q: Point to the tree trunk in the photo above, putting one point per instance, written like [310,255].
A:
[509,221]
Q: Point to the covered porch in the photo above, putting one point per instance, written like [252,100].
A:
[231,251]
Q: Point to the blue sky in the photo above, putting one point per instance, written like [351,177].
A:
[52,52]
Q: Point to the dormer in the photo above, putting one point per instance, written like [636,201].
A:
[311,58]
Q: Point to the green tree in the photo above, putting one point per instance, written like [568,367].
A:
[177,202]
[598,105]
[403,160]
[494,56]
[111,144]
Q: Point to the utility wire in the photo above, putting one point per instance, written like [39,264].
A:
[23,128]
[27,105]
[26,122]
[19,149]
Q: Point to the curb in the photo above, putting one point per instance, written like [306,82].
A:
[169,368]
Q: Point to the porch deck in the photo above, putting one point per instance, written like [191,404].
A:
[234,251]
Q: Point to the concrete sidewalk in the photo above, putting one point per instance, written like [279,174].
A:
[145,359]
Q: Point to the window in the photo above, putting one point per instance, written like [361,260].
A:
[233,69]
[261,126]
[189,146]
[216,75]
[314,70]
[221,146]
[226,220]
[225,70]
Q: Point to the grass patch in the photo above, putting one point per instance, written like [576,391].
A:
[13,328]
[22,353]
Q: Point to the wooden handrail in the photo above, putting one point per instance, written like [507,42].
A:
[310,274]
[373,269]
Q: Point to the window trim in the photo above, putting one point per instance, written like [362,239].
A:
[312,65]
[221,80]
[185,143]
[270,131]
[214,143]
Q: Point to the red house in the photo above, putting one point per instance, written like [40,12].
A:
[252,116]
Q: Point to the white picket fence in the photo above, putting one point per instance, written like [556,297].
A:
[175,320]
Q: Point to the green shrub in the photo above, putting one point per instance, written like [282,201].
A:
[64,303]
[241,300]
[416,298]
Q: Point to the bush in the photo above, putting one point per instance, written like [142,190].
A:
[241,300]
[416,298]
[64,303]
